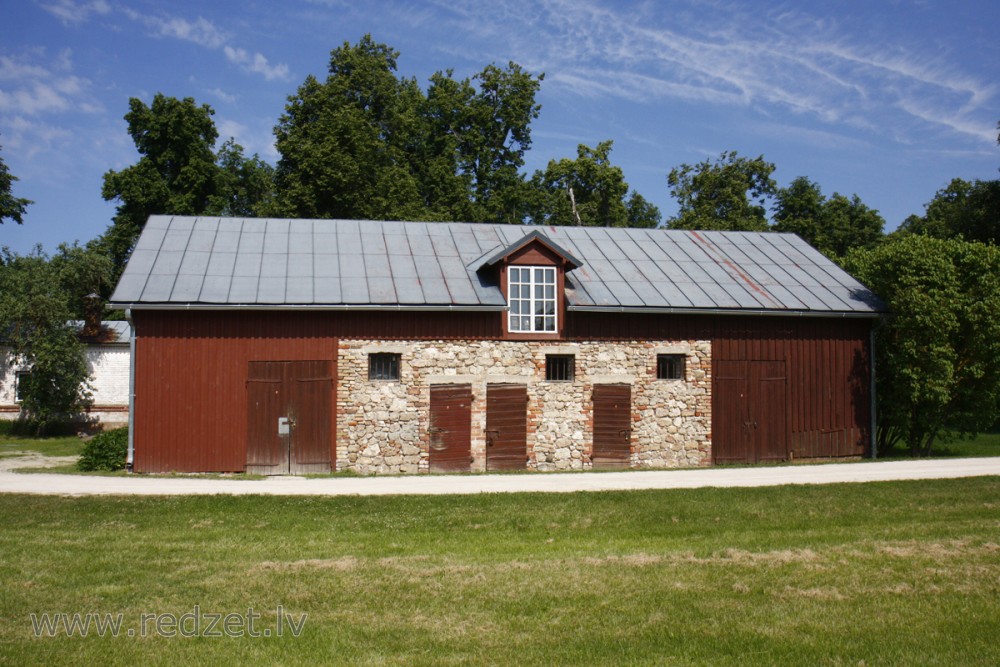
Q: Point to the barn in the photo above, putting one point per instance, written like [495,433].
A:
[293,346]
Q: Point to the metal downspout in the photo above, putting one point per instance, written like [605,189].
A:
[131,390]
[871,390]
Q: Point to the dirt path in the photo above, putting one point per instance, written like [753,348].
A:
[14,460]
[830,473]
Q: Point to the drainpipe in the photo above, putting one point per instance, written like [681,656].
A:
[131,390]
[871,390]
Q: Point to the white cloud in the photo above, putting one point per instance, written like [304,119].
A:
[29,88]
[69,11]
[206,34]
[200,31]
[257,64]
[723,53]
[222,95]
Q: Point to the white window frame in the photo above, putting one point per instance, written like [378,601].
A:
[536,280]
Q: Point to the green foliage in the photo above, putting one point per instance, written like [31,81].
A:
[833,226]
[589,191]
[938,351]
[962,209]
[729,194]
[178,173]
[368,144]
[105,451]
[11,207]
[38,297]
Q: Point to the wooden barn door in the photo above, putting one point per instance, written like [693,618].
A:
[750,412]
[506,426]
[288,417]
[450,428]
[612,426]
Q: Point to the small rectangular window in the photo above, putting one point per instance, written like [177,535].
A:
[559,367]
[19,379]
[383,366]
[531,298]
[670,366]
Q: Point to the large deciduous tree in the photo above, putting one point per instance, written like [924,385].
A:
[728,194]
[367,143]
[938,350]
[179,173]
[834,226]
[589,191]
[963,208]
[11,207]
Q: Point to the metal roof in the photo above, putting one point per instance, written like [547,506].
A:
[208,262]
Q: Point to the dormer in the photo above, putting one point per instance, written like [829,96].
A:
[531,273]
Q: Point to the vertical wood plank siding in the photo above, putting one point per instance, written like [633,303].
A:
[191,369]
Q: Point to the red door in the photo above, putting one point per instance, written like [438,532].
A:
[612,426]
[506,427]
[450,428]
[289,425]
[749,412]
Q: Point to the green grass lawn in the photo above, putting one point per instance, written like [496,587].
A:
[891,573]
[61,446]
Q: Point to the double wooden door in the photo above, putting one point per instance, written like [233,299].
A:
[288,417]
[749,412]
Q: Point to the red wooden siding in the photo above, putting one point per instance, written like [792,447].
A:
[191,382]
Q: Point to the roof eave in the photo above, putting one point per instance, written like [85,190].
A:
[832,314]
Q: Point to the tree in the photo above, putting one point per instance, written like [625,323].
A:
[11,207]
[245,186]
[833,226]
[589,191]
[178,173]
[729,194]
[366,143]
[38,298]
[967,209]
[937,353]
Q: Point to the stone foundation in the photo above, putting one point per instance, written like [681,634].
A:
[382,425]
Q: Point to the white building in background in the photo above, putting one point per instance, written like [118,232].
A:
[108,363]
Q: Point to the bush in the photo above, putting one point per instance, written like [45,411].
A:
[105,451]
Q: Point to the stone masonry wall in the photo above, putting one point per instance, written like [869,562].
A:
[382,425]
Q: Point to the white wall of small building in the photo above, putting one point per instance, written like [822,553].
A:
[109,376]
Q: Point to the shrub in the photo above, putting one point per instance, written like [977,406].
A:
[105,451]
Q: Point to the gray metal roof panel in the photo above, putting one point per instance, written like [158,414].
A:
[326,290]
[215,289]
[243,289]
[428,263]
[187,288]
[299,289]
[247,264]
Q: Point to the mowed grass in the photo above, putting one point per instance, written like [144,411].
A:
[877,574]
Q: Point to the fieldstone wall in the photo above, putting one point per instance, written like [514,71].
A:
[382,425]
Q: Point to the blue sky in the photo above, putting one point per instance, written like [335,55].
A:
[889,100]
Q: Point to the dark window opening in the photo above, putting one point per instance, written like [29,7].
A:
[383,366]
[559,367]
[670,366]
[19,379]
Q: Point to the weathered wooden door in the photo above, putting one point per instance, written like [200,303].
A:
[506,426]
[288,417]
[450,428]
[612,426]
[749,412]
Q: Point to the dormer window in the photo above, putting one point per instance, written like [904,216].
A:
[531,296]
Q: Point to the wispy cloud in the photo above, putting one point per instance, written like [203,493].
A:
[35,87]
[205,33]
[726,54]
[201,31]
[70,11]
[257,64]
